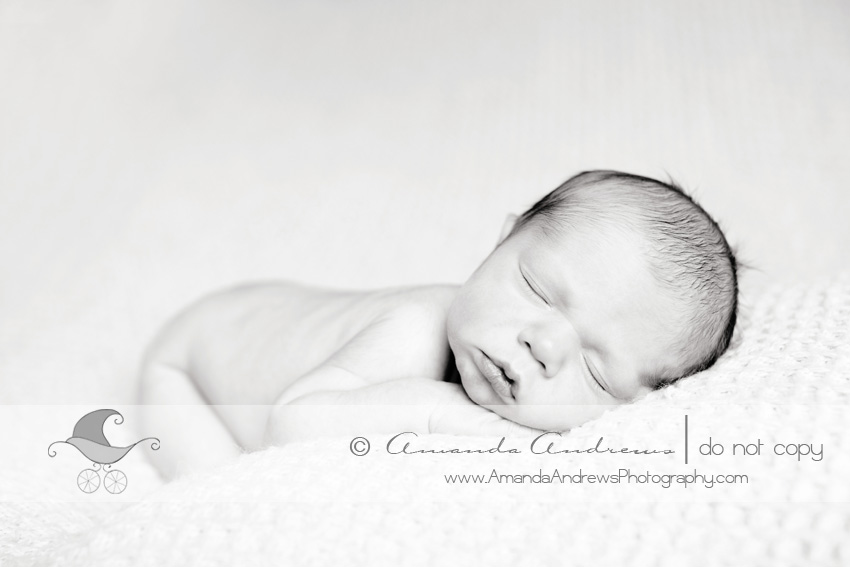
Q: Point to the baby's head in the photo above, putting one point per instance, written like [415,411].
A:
[609,287]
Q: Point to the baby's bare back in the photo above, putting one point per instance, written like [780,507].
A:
[246,345]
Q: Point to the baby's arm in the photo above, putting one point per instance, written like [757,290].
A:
[394,406]
[383,381]
[420,405]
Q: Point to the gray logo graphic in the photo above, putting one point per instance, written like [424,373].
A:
[89,440]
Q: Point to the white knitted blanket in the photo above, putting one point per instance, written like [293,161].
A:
[785,383]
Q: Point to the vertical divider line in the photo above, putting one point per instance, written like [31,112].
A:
[686,439]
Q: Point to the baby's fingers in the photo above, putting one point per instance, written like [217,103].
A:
[496,425]
[474,420]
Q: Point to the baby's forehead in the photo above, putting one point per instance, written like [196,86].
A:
[599,265]
[591,254]
[561,241]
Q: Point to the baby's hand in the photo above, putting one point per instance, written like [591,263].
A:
[456,414]
[412,404]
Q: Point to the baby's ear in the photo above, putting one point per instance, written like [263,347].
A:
[507,227]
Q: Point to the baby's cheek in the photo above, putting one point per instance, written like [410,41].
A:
[472,389]
[454,327]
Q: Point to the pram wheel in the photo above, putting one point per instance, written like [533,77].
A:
[88,481]
[115,482]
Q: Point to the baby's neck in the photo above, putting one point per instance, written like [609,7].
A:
[451,373]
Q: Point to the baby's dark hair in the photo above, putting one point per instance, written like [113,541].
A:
[687,252]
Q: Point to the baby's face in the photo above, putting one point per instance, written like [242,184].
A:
[572,320]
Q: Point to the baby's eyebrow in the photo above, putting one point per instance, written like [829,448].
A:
[653,379]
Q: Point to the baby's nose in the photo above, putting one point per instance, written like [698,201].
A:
[551,346]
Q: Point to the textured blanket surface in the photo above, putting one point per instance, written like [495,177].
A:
[785,381]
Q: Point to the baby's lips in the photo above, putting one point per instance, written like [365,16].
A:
[495,377]
[508,370]
[512,376]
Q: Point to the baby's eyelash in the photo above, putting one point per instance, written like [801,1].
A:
[534,291]
[595,381]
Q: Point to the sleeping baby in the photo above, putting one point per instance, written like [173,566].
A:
[611,286]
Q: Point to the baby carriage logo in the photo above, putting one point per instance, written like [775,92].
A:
[89,439]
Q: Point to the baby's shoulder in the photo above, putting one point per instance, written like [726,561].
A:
[427,302]
[405,336]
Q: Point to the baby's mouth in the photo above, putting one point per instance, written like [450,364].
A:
[497,378]
[505,376]
[509,382]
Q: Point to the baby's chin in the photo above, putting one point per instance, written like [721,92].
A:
[482,394]
[544,417]
[479,392]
